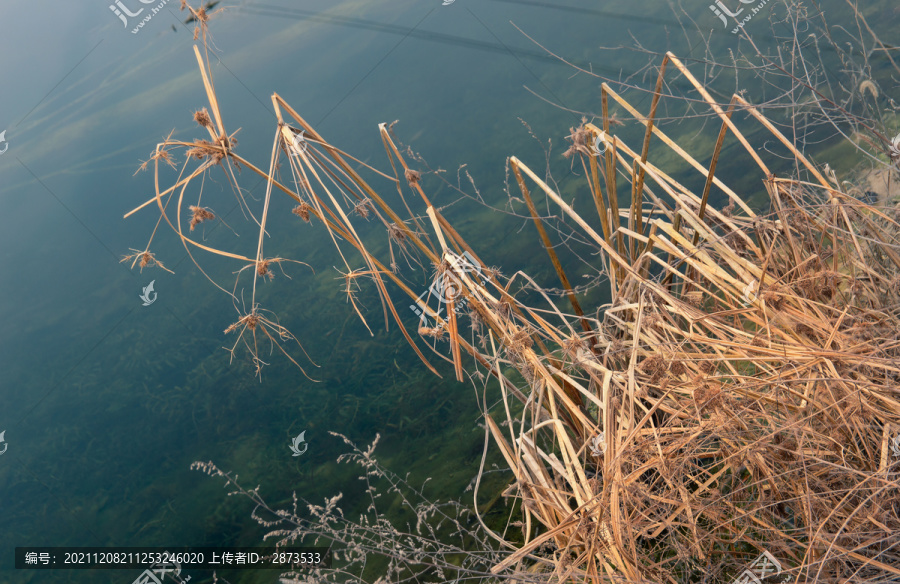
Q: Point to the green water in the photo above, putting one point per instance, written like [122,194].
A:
[106,403]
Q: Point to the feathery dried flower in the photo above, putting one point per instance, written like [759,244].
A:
[412,176]
[582,140]
[250,321]
[146,259]
[203,149]
[396,233]
[202,118]
[262,269]
[199,215]
[159,154]
[302,211]
[436,332]
[363,208]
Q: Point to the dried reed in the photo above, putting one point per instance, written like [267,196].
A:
[739,394]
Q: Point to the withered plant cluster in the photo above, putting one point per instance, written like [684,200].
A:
[424,542]
[738,396]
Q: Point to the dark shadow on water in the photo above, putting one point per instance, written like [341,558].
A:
[437,37]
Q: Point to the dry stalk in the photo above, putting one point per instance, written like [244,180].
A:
[739,395]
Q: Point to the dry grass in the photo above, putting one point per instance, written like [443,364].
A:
[739,395]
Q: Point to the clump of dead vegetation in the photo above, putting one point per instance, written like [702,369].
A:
[738,397]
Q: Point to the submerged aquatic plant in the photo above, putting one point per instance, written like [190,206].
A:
[430,542]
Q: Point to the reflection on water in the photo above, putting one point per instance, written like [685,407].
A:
[109,396]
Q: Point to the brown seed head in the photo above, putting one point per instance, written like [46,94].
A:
[396,233]
[262,268]
[581,139]
[199,215]
[250,321]
[206,149]
[202,118]
[302,211]
[362,208]
[436,332]
[412,176]
[655,366]
[773,297]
